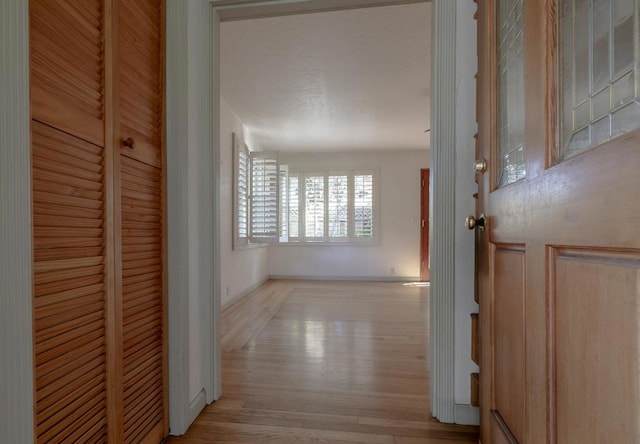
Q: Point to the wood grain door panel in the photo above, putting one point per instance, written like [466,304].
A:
[595,303]
[69,287]
[140,79]
[500,432]
[67,66]
[508,336]
[142,299]
[140,107]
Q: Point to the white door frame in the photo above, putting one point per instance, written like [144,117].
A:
[16,340]
[443,310]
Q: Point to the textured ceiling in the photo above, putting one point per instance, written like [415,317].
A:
[331,81]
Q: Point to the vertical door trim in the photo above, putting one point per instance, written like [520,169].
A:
[176,199]
[113,225]
[443,176]
[213,372]
[424,219]
[16,280]
[185,21]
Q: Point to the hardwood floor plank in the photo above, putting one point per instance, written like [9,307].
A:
[326,362]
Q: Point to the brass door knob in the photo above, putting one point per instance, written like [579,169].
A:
[471,222]
[480,166]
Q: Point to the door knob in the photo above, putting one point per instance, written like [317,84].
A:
[480,166]
[471,222]
[129,143]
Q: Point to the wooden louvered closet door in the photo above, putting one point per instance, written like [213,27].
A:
[68,158]
[140,77]
[96,78]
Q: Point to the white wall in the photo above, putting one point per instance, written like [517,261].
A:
[245,269]
[466,67]
[398,246]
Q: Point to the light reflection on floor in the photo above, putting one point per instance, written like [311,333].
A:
[417,284]
[315,333]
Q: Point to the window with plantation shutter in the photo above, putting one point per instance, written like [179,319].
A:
[363,205]
[283,192]
[241,194]
[338,206]
[314,207]
[264,196]
[274,204]
[294,206]
[332,206]
[261,196]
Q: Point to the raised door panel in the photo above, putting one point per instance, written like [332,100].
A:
[69,287]
[595,306]
[140,79]
[67,66]
[509,342]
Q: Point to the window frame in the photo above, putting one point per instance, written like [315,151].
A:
[282,235]
[350,239]
[251,240]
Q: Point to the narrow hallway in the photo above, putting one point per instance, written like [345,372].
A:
[326,362]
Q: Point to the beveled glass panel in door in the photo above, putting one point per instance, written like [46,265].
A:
[510,84]
[598,76]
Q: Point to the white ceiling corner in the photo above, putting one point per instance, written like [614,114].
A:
[332,81]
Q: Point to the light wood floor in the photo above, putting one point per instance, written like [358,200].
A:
[334,363]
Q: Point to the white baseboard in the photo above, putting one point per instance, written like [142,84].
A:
[196,406]
[466,414]
[346,278]
[242,294]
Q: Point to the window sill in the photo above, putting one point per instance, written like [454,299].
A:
[371,243]
[252,246]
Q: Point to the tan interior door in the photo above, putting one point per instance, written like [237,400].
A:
[559,261]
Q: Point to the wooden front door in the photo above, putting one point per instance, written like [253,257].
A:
[559,260]
[425,272]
